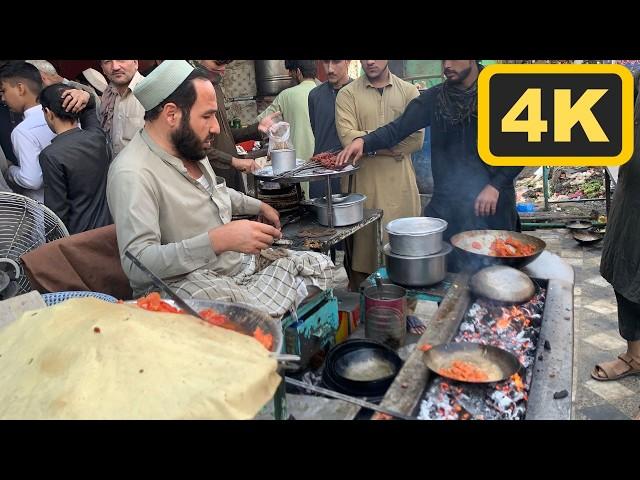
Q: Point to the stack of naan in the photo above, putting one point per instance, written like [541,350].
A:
[88,359]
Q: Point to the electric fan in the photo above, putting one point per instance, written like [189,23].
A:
[24,226]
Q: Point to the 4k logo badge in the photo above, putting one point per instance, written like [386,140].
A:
[555,115]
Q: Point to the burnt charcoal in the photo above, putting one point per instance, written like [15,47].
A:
[547,345]
[560,394]
[540,358]
[507,400]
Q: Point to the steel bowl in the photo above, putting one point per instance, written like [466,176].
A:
[417,271]
[476,258]
[347,211]
[416,236]
[247,318]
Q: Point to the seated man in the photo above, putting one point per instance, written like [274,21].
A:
[174,215]
[75,165]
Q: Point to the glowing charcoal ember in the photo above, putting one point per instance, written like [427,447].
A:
[518,333]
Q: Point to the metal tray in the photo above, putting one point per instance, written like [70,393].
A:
[317,174]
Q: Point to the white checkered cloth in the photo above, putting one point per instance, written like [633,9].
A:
[273,289]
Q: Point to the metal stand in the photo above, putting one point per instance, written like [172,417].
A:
[280,400]
[545,187]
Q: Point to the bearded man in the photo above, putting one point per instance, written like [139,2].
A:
[467,193]
[174,215]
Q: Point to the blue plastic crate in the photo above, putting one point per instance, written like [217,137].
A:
[58,297]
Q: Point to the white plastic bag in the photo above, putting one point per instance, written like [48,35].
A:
[279,136]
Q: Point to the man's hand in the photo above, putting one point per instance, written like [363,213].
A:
[244,164]
[243,236]
[354,149]
[270,215]
[486,201]
[75,100]
[267,121]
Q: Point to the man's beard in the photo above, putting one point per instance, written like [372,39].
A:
[461,77]
[186,142]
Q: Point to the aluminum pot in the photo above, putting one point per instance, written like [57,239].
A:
[416,236]
[417,271]
[347,211]
[283,160]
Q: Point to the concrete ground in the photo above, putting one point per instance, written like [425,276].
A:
[596,334]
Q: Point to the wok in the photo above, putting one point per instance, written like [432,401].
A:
[587,237]
[498,364]
[578,225]
[479,257]
[502,284]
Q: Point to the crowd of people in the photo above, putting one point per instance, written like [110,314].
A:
[157,156]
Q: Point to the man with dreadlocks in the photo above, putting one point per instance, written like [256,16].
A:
[468,193]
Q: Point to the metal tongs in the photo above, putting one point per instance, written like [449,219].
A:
[309,165]
[185,306]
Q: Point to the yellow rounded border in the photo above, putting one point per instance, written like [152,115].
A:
[501,161]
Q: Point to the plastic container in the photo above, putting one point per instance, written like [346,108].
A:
[526,207]
[59,297]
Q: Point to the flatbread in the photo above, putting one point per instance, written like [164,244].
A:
[89,359]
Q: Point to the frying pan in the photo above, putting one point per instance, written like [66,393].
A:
[498,364]
[587,237]
[479,257]
[578,225]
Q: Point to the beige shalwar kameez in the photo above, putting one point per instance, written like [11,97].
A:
[386,178]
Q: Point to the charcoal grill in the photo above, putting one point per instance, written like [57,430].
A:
[418,392]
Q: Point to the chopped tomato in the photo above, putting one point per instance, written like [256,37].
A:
[219,320]
[510,248]
[154,303]
[264,338]
[425,348]
[476,245]
[464,371]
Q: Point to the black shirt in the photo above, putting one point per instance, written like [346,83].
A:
[8,121]
[620,263]
[322,113]
[459,174]
[74,171]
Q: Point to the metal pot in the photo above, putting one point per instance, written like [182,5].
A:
[417,271]
[283,160]
[272,77]
[347,211]
[416,236]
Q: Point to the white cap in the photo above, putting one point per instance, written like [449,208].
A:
[162,82]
